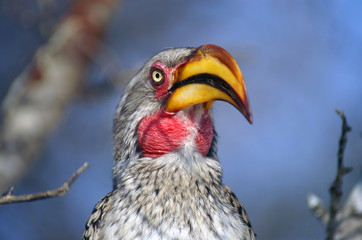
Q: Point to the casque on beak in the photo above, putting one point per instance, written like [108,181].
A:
[210,74]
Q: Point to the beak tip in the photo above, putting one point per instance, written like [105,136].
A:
[246,111]
[250,120]
[249,117]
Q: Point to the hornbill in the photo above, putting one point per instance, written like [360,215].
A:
[167,179]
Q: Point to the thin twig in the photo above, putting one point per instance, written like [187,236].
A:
[8,196]
[336,189]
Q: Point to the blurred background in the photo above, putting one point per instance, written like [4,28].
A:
[301,60]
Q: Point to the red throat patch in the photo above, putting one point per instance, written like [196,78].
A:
[164,132]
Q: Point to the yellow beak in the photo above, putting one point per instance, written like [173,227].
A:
[210,74]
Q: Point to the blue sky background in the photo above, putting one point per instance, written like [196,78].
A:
[301,60]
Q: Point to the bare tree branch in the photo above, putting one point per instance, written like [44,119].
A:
[343,222]
[336,189]
[39,96]
[350,215]
[8,196]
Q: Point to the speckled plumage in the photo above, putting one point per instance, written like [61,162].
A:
[179,195]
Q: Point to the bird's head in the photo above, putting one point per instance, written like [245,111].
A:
[166,106]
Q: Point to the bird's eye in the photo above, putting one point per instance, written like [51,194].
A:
[157,76]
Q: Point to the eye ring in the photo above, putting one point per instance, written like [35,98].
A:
[157,76]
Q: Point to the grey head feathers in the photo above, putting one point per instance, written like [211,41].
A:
[179,195]
[137,102]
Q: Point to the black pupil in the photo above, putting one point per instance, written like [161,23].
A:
[157,75]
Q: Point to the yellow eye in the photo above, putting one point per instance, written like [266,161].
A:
[157,76]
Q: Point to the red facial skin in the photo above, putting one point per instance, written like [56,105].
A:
[162,89]
[165,132]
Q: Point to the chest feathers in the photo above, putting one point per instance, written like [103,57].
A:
[174,196]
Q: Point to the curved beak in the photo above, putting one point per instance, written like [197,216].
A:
[210,74]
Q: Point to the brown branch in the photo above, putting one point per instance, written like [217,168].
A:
[336,188]
[37,99]
[346,222]
[8,196]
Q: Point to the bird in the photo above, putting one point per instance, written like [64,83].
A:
[167,178]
